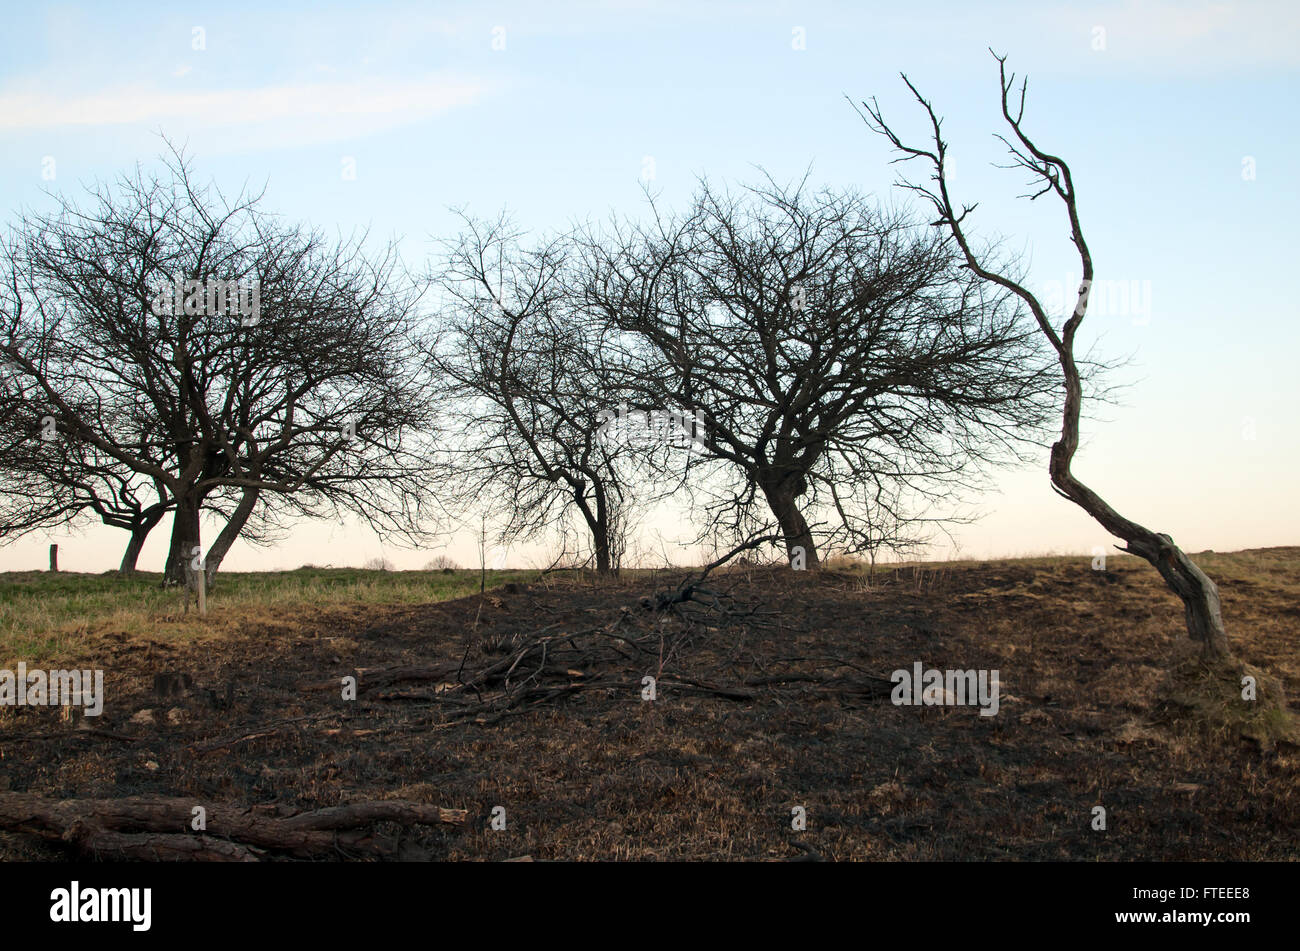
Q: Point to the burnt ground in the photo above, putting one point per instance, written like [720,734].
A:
[754,716]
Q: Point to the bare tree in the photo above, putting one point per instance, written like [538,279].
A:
[836,352]
[530,374]
[280,372]
[54,480]
[1050,175]
[886,521]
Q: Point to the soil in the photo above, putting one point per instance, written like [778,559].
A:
[756,716]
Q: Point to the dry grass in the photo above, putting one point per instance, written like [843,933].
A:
[49,618]
[1085,659]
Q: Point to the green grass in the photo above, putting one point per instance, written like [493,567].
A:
[47,616]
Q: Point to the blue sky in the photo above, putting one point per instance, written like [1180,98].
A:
[558,111]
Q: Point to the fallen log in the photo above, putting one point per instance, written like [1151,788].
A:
[158,829]
[161,847]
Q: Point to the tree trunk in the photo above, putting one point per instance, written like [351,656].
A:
[158,829]
[185,538]
[1199,594]
[600,533]
[794,526]
[139,535]
[597,525]
[238,518]
[600,538]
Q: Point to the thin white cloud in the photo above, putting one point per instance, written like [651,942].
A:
[369,103]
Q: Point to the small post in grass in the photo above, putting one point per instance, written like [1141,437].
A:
[202,578]
[54,558]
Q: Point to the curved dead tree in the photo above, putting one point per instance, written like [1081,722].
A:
[1050,175]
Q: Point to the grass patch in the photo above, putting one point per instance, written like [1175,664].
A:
[1206,696]
[52,617]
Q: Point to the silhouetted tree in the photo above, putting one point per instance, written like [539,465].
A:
[281,373]
[52,480]
[1050,175]
[530,374]
[836,353]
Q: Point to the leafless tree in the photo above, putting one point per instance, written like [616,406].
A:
[836,352]
[530,375]
[887,521]
[54,480]
[305,398]
[1050,175]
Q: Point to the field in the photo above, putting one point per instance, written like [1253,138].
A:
[772,695]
